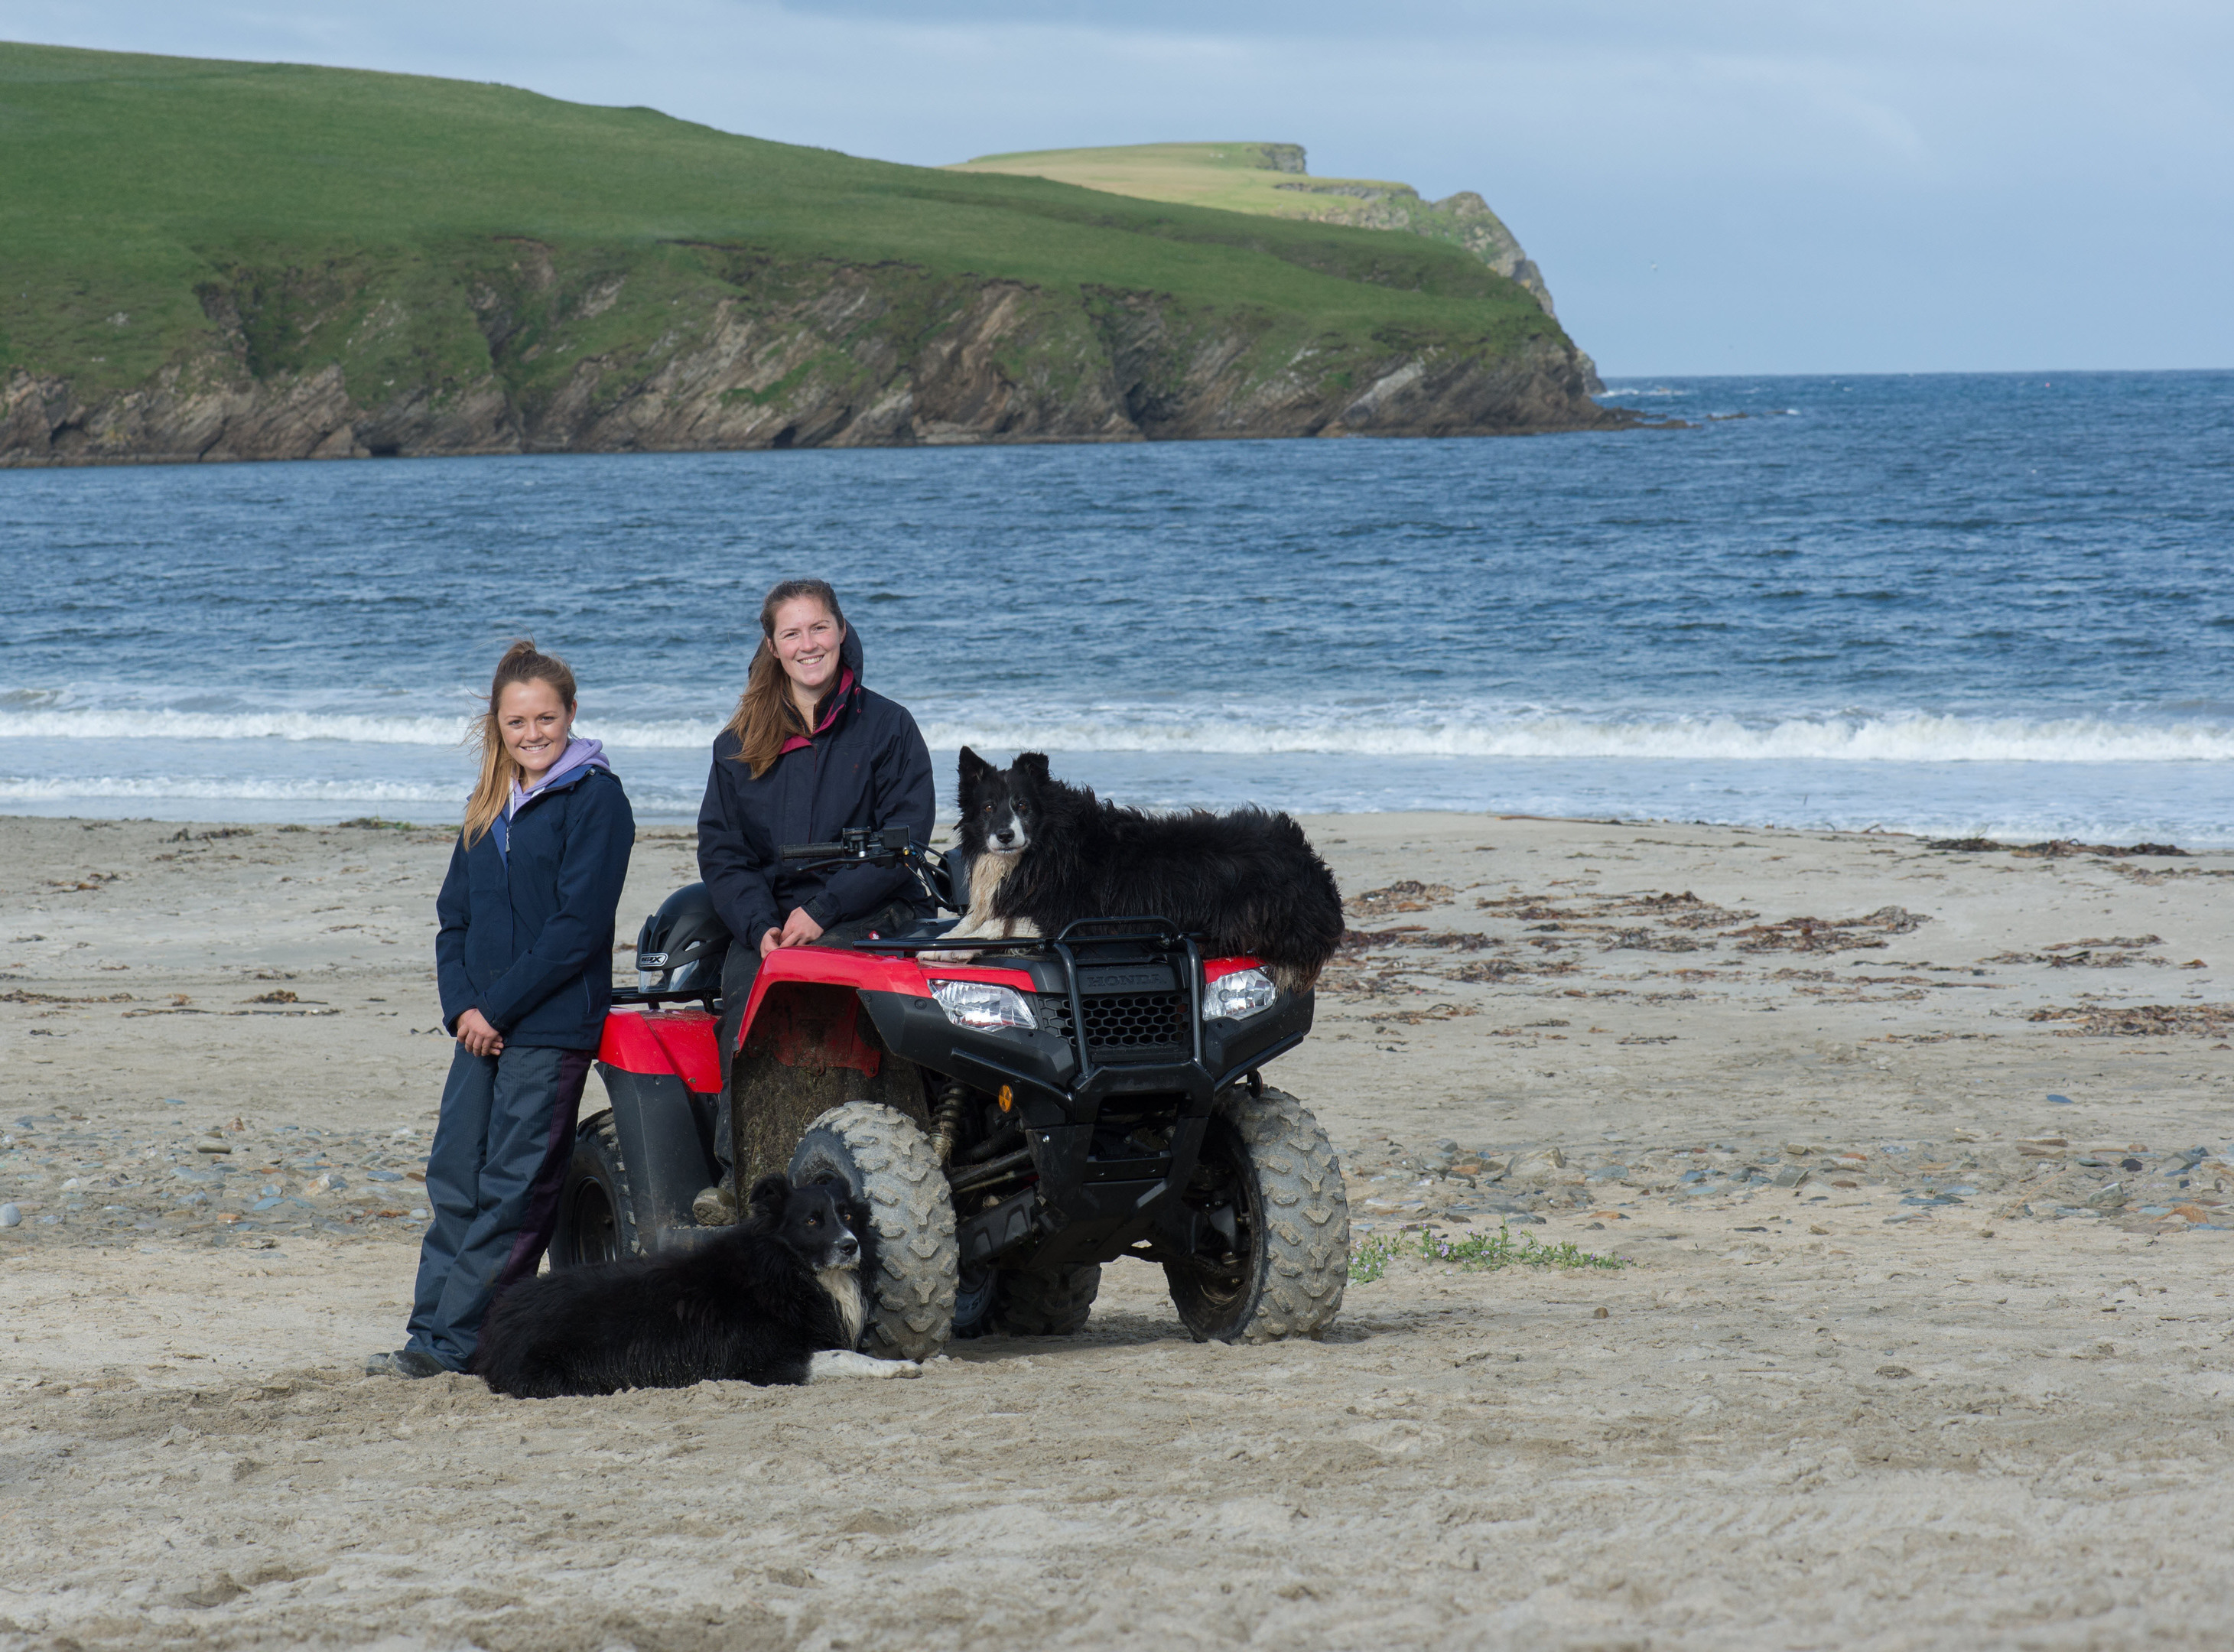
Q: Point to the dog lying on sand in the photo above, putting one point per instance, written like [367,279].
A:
[1044,854]
[777,1298]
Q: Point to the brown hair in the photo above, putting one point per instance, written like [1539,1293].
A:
[522,663]
[765,715]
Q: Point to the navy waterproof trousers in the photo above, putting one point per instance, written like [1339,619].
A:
[502,1145]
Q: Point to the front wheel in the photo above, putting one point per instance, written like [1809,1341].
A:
[597,1217]
[1268,1186]
[887,1168]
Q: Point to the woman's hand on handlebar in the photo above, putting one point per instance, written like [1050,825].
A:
[477,1035]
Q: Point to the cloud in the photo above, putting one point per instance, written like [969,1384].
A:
[1900,186]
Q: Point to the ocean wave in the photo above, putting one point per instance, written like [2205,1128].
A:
[1417,731]
[117,724]
[107,723]
[1917,739]
[16,788]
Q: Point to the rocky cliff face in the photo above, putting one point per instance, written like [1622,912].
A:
[533,349]
[1464,219]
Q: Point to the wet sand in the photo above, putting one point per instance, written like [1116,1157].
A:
[1905,1353]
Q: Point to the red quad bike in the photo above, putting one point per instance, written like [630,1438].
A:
[1009,1124]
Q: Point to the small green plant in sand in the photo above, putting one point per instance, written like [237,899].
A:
[1483,1253]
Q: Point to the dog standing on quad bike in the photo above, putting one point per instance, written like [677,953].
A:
[1009,1124]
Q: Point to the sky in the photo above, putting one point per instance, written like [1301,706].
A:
[1710,187]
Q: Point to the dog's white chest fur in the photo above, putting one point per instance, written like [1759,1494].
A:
[844,1285]
[986,873]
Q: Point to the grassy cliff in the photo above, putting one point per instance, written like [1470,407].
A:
[1271,180]
[213,260]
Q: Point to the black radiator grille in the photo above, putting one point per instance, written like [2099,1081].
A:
[1120,1024]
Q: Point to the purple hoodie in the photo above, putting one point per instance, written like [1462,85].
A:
[578,756]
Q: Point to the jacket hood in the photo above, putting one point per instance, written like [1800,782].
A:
[849,679]
[579,755]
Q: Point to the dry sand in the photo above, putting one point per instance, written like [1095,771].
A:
[1962,1384]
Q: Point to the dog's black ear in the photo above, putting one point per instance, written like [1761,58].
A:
[973,766]
[1033,764]
[770,1193]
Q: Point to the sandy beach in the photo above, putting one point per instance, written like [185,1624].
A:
[1919,1336]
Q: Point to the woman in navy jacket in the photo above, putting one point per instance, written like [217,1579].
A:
[523,963]
[809,751]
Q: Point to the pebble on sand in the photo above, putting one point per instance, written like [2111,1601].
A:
[10,1217]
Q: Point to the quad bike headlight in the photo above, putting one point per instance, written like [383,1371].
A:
[982,1005]
[1243,994]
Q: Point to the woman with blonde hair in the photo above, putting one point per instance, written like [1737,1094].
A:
[523,963]
[809,751]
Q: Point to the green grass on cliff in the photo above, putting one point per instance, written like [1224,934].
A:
[1230,177]
[132,187]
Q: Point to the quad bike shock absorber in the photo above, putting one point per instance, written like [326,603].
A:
[946,1115]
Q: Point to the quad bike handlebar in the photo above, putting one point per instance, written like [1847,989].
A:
[873,844]
[879,846]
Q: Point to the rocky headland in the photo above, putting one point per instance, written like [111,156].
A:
[789,357]
[231,261]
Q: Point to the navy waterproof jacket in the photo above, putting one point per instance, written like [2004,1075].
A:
[866,765]
[526,915]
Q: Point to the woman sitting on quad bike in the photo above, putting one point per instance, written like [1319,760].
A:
[808,752]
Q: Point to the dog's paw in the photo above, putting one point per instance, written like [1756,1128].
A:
[946,958]
[843,1362]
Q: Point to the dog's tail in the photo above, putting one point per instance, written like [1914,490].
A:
[1309,907]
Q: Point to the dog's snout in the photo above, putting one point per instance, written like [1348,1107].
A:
[849,1247]
[1005,836]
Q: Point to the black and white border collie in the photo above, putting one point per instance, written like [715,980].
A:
[1044,854]
[777,1298]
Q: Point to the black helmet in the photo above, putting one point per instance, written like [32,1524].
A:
[683,943]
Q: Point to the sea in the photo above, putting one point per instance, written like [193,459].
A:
[1999,606]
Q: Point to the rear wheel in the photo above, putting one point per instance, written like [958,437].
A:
[974,1296]
[1047,1304]
[1270,1185]
[993,1304]
[597,1220]
[887,1167]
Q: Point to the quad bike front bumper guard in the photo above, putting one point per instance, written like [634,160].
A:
[1108,1110]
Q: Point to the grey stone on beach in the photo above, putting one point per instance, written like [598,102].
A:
[10,1217]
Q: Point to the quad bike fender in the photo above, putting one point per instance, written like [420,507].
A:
[863,972]
[680,1043]
[662,1077]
